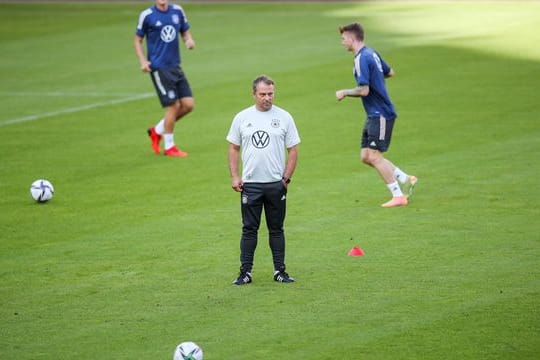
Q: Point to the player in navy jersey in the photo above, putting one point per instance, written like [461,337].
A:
[370,71]
[162,25]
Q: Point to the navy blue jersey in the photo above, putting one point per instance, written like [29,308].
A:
[370,70]
[162,30]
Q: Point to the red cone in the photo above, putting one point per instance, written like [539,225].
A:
[356,251]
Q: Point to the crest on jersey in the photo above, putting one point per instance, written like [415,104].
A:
[175,19]
[168,34]
[275,123]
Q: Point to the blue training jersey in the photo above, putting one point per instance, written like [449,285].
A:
[370,69]
[162,30]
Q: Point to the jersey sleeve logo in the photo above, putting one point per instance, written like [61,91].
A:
[168,34]
[260,139]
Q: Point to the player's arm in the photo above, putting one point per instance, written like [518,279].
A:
[188,40]
[390,73]
[358,91]
[138,44]
[234,160]
[292,158]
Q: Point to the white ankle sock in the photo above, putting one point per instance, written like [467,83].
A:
[169,141]
[395,189]
[400,175]
[160,127]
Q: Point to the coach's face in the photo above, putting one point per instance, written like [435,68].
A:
[264,96]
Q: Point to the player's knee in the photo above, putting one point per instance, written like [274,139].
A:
[366,159]
[188,108]
[187,105]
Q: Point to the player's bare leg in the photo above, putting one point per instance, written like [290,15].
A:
[385,169]
[174,113]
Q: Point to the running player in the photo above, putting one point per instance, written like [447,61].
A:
[370,71]
[162,25]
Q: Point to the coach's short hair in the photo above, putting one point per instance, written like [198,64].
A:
[262,78]
[354,28]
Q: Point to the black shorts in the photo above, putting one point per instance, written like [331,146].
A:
[171,84]
[377,133]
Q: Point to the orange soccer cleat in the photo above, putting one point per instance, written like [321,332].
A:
[175,152]
[155,138]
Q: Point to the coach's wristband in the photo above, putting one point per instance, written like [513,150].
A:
[286,180]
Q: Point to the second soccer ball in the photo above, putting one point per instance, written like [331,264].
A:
[42,190]
[188,351]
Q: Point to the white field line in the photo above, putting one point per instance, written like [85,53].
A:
[64,94]
[74,109]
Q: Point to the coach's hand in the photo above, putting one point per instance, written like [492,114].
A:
[237,184]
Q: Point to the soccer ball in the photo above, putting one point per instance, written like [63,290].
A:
[188,351]
[42,190]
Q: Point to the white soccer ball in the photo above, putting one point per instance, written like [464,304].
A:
[42,190]
[188,351]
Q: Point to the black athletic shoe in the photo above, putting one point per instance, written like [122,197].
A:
[243,279]
[282,276]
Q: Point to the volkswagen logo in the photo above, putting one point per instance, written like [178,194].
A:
[260,139]
[168,34]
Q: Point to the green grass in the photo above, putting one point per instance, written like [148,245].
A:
[137,252]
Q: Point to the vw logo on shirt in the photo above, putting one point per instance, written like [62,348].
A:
[168,33]
[260,139]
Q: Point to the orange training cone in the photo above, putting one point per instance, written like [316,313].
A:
[356,251]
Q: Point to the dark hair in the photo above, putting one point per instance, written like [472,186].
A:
[264,79]
[354,28]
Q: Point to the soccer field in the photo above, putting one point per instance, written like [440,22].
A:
[136,252]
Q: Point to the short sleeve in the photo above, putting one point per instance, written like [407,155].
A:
[234,136]
[292,138]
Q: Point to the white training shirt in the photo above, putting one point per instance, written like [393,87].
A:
[263,137]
